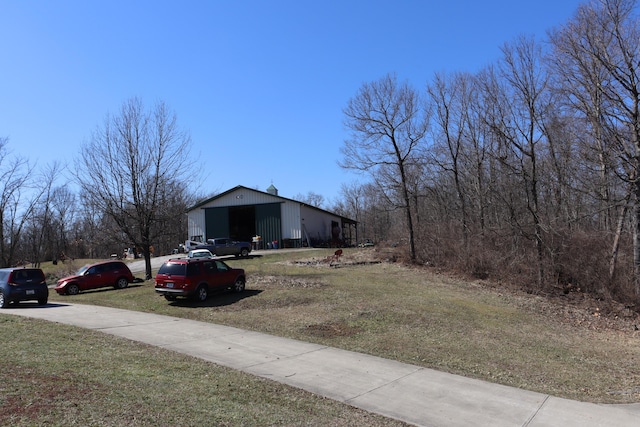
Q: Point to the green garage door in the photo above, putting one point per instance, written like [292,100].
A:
[216,222]
[269,223]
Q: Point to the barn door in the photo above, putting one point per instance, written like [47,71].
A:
[216,222]
[269,223]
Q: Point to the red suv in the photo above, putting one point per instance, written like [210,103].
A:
[197,278]
[93,276]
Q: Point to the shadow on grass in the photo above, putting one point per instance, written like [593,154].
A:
[102,290]
[216,300]
[237,258]
[34,304]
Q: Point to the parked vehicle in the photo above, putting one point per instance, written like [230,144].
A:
[200,253]
[222,246]
[22,284]
[197,278]
[100,275]
[191,243]
[368,243]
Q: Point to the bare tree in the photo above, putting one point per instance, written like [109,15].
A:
[311,198]
[126,166]
[599,51]
[581,80]
[452,97]
[172,223]
[351,205]
[388,122]
[40,234]
[521,102]
[86,235]
[63,205]
[19,197]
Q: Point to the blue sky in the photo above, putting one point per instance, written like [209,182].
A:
[259,85]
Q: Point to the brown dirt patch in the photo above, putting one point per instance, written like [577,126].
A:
[361,257]
[284,282]
[330,330]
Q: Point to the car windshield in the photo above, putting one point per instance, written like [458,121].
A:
[173,268]
[21,277]
[199,254]
[82,270]
[221,266]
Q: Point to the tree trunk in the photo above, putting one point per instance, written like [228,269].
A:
[412,246]
[636,239]
[616,239]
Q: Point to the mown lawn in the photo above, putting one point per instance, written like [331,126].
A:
[58,375]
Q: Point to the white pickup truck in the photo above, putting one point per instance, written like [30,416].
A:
[191,244]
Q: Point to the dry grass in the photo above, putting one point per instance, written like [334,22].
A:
[569,346]
[59,375]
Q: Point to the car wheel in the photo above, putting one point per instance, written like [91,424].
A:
[122,283]
[201,293]
[4,303]
[73,289]
[43,301]
[238,286]
[244,252]
[170,297]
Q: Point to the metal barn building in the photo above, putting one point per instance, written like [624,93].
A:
[243,213]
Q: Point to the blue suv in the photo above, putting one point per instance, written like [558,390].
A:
[22,284]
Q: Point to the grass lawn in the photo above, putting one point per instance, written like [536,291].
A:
[565,347]
[58,375]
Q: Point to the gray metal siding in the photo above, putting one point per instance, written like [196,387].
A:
[291,222]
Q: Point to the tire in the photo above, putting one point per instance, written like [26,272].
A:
[201,294]
[244,252]
[121,283]
[4,303]
[170,297]
[73,289]
[239,284]
[43,301]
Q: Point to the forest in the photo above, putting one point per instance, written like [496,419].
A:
[525,172]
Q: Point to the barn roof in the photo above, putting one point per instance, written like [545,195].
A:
[241,187]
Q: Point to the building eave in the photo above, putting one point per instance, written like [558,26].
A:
[241,187]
